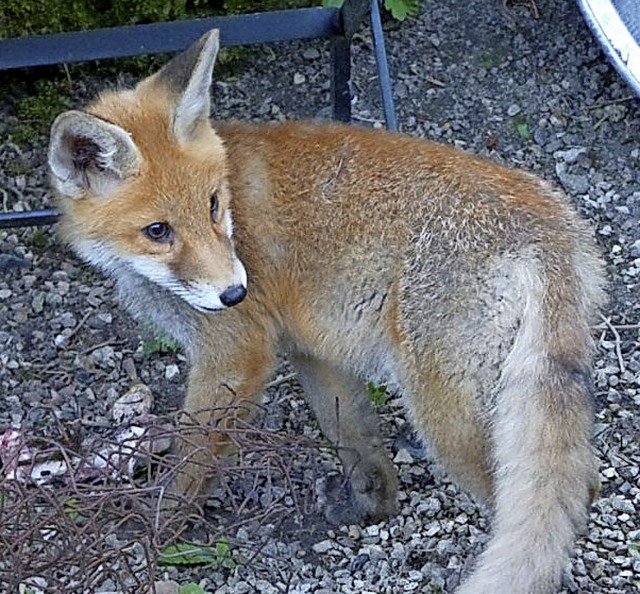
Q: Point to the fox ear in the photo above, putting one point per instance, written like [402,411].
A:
[88,154]
[188,77]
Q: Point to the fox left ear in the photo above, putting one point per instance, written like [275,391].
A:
[88,155]
[188,76]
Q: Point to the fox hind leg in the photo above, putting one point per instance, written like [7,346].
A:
[443,412]
[347,419]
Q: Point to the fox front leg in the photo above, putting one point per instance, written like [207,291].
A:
[227,378]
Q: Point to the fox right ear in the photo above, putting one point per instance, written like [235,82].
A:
[89,155]
[188,76]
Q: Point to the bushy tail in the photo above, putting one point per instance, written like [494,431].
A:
[545,471]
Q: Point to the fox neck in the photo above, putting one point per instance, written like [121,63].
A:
[146,301]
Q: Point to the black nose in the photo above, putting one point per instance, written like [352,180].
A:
[233,295]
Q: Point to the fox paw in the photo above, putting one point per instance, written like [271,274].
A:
[366,496]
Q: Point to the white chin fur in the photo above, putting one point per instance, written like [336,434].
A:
[202,296]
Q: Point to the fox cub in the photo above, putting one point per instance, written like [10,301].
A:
[364,256]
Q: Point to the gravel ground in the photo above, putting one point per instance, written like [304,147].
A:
[530,92]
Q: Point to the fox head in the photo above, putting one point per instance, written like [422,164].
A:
[141,180]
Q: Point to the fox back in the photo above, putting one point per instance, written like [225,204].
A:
[364,256]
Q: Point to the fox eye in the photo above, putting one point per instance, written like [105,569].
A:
[159,232]
[213,206]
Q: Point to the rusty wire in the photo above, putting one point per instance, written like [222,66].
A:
[75,532]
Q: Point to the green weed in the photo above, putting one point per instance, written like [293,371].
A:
[377,394]
[522,127]
[161,345]
[188,555]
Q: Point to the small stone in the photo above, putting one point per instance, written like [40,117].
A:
[431,506]
[104,357]
[359,561]
[68,320]
[571,155]
[354,532]
[37,302]
[373,530]
[403,457]
[400,90]
[129,366]
[311,54]
[432,529]
[299,79]
[323,546]
[59,340]
[136,401]
[171,371]
[621,504]
[165,587]
[242,588]
[265,587]
[9,262]
[540,136]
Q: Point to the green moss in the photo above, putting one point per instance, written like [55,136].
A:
[125,12]
[35,17]
[18,17]
[244,6]
[36,111]
[28,17]
[41,239]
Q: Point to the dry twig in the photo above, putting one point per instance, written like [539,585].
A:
[617,342]
[73,533]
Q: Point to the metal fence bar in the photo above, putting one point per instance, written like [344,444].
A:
[384,78]
[134,40]
[32,218]
[341,79]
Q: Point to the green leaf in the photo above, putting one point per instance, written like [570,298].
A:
[377,394]
[222,548]
[522,128]
[191,588]
[187,554]
[401,9]
[71,509]
[223,553]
